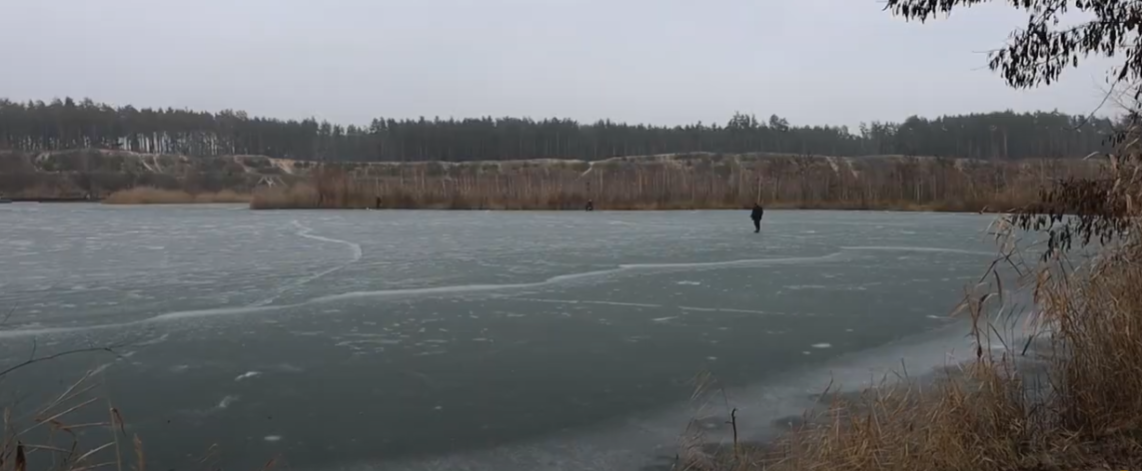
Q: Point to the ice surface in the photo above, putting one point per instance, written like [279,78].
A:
[547,340]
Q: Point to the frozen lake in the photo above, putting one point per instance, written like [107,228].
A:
[473,340]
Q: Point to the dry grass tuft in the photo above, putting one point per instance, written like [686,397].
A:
[149,195]
[58,435]
[47,440]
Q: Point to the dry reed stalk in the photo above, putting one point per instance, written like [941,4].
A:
[59,449]
[46,440]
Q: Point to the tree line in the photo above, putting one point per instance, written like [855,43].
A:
[37,126]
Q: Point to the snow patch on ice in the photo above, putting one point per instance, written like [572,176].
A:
[226,401]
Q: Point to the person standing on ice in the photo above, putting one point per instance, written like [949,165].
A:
[758,211]
[756,215]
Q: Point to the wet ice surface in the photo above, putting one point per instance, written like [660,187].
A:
[486,340]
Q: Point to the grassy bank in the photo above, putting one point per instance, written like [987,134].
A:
[76,173]
[674,181]
[350,195]
[701,181]
[148,195]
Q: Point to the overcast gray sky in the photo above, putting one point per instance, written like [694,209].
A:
[654,61]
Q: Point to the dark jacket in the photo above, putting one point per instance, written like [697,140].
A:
[757,212]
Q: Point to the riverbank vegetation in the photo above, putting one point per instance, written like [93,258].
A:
[694,181]
[81,173]
[676,181]
[78,430]
[151,195]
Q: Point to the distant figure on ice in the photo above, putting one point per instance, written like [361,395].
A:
[756,215]
[590,205]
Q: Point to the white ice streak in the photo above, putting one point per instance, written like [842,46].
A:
[306,232]
[740,311]
[571,277]
[456,289]
[154,341]
[586,301]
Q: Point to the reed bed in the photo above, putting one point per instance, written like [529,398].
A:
[46,438]
[151,195]
[679,182]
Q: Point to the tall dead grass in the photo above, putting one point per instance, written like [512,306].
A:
[47,438]
[63,434]
[679,182]
[151,195]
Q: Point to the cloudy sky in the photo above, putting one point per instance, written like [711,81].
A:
[654,61]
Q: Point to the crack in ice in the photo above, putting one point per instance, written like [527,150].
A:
[306,232]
